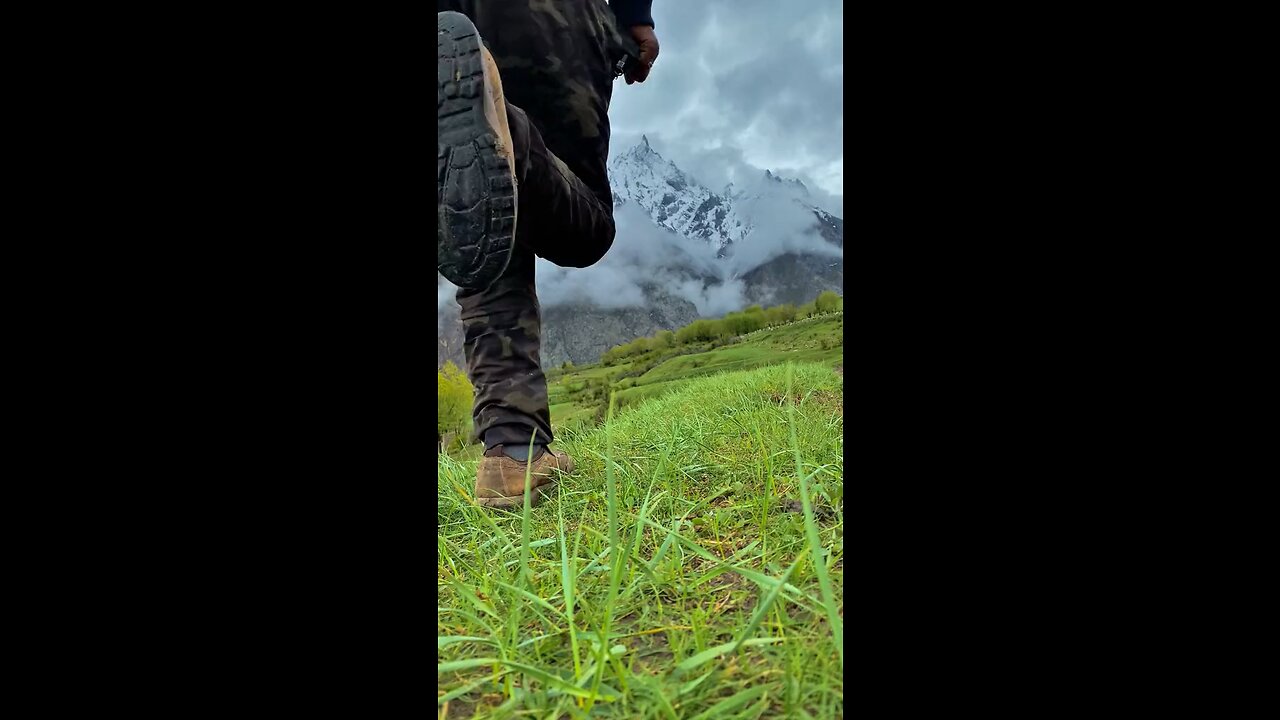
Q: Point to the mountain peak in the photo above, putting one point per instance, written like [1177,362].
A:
[786,182]
[673,199]
[643,150]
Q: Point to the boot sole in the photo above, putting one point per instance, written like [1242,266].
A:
[536,495]
[475,188]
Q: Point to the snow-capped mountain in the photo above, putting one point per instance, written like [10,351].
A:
[673,199]
[678,202]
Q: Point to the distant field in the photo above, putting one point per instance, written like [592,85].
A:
[573,406]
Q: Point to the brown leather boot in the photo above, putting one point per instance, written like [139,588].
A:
[500,479]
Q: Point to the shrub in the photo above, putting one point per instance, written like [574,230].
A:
[635,348]
[699,331]
[453,404]
[827,302]
[780,315]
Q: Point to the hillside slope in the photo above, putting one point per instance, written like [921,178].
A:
[710,515]
[579,397]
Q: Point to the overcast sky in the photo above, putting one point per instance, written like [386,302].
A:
[741,86]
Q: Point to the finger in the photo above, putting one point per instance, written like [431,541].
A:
[650,50]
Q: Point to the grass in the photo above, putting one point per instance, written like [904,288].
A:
[817,339]
[692,567]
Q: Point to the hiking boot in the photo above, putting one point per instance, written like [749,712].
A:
[500,479]
[476,180]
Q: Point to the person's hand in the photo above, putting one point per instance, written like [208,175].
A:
[648,43]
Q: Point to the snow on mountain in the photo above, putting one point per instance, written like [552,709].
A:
[771,239]
[673,199]
[768,207]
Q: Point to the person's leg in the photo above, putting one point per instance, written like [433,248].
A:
[562,218]
[502,340]
[555,62]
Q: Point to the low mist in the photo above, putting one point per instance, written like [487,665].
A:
[642,254]
[779,225]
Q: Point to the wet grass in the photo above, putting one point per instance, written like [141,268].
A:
[691,568]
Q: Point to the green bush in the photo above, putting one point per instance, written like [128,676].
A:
[635,348]
[827,302]
[699,331]
[780,315]
[745,322]
[453,403]
[707,330]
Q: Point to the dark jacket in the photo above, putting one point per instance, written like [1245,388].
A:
[632,12]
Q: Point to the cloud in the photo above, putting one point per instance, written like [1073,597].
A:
[445,291]
[727,294]
[753,82]
[642,254]
[779,225]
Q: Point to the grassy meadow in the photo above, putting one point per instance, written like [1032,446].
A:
[692,567]
[579,396]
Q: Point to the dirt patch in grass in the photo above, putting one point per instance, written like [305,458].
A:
[828,401]
[653,653]
[459,708]
[820,512]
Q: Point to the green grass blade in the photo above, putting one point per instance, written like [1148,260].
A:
[768,603]
[730,704]
[533,672]
[469,595]
[560,684]
[618,557]
[811,531]
[530,597]
[457,665]
[567,587]
[712,653]
[443,641]
[459,692]
[524,516]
